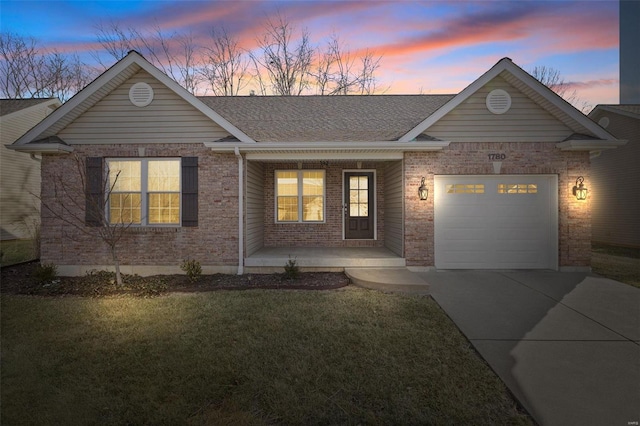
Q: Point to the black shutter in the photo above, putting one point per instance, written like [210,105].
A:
[94,196]
[190,191]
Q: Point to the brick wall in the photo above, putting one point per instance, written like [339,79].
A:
[213,242]
[521,158]
[328,234]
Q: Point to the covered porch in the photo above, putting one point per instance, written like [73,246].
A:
[273,259]
[270,235]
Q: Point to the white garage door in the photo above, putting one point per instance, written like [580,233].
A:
[496,222]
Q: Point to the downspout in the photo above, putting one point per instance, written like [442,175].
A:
[240,211]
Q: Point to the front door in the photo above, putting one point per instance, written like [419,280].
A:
[359,205]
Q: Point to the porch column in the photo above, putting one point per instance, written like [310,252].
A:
[240,211]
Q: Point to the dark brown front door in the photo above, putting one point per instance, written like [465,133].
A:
[359,208]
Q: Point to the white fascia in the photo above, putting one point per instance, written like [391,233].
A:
[590,145]
[379,150]
[42,148]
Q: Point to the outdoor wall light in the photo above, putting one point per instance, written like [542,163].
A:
[579,189]
[423,192]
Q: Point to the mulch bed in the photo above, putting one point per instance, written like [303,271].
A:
[22,279]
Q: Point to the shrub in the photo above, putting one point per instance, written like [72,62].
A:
[46,272]
[192,268]
[291,269]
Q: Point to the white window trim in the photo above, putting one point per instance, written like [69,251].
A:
[144,192]
[300,189]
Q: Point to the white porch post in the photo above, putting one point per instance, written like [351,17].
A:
[240,212]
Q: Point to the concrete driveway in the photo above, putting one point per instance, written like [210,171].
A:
[566,344]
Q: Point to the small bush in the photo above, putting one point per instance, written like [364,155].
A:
[46,272]
[192,268]
[291,269]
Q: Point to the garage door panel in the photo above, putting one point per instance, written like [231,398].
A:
[496,229]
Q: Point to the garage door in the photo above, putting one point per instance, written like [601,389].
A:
[496,222]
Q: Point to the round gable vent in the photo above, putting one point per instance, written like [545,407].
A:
[498,101]
[141,94]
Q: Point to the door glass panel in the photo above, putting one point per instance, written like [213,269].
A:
[517,188]
[464,188]
[358,196]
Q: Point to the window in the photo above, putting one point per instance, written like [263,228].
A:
[517,188]
[359,196]
[299,195]
[465,188]
[145,191]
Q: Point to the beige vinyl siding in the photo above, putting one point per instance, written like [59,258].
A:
[614,184]
[168,119]
[20,175]
[254,207]
[393,208]
[525,121]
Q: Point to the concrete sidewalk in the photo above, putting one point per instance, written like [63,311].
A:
[566,344]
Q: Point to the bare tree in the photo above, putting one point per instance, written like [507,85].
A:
[287,65]
[553,79]
[82,202]
[175,54]
[29,70]
[337,72]
[225,66]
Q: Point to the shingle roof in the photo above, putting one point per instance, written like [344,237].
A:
[326,118]
[632,108]
[8,106]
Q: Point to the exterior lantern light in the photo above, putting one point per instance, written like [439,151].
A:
[579,189]
[423,192]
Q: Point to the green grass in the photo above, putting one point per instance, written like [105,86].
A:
[618,263]
[16,251]
[247,357]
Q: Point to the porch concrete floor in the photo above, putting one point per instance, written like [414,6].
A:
[325,258]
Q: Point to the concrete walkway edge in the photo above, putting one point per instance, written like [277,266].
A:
[395,280]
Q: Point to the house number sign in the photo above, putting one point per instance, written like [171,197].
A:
[497,156]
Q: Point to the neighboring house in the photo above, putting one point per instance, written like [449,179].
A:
[265,175]
[615,177]
[20,172]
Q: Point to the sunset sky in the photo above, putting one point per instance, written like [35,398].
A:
[427,47]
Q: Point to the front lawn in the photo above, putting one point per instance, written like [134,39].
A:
[16,251]
[349,356]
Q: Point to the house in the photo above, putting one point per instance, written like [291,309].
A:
[614,176]
[240,184]
[20,173]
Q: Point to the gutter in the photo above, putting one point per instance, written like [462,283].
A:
[240,211]
[344,147]
[590,145]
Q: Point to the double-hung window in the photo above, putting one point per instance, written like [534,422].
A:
[300,195]
[144,191]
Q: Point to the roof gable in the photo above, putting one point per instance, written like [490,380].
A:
[168,118]
[523,121]
[12,106]
[529,86]
[108,81]
[628,110]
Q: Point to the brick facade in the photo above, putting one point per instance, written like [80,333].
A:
[214,242]
[521,158]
